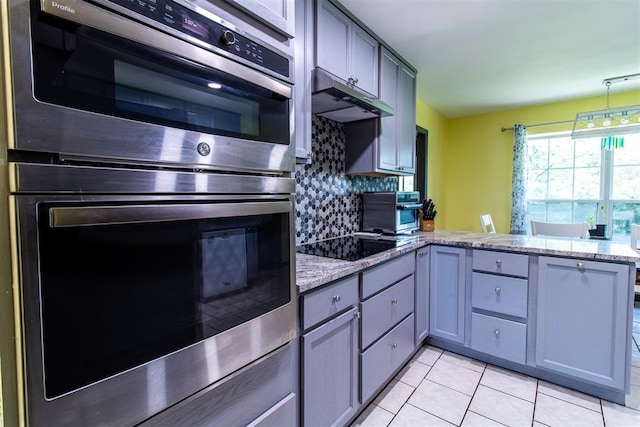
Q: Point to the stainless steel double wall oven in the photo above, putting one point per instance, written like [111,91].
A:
[150,168]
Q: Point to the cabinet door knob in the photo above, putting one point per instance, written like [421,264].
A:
[496,332]
[356,314]
[498,263]
[580,266]
[336,298]
[394,300]
[498,290]
[394,345]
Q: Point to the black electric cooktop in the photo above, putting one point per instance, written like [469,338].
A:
[350,248]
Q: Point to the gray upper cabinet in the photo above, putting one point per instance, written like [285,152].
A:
[386,146]
[303,53]
[344,49]
[397,133]
[447,293]
[278,14]
[583,320]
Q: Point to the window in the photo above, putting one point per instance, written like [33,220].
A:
[568,180]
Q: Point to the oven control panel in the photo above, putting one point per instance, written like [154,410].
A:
[210,29]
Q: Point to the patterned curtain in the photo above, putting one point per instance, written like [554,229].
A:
[518,192]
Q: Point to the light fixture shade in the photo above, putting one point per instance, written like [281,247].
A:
[592,123]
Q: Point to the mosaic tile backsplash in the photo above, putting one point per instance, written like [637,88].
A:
[328,202]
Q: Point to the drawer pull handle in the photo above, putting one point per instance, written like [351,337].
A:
[498,290]
[580,266]
[394,345]
[336,298]
[496,333]
[498,263]
[394,300]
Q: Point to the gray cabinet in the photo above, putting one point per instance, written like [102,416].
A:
[447,293]
[499,304]
[421,310]
[387,324]
[330,370]
[278,14]
[344,49]
[386,309]
[303,53]
[582,319]
[381,359]
[386,145]
[397,138]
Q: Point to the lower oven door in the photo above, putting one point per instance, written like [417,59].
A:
[130,305]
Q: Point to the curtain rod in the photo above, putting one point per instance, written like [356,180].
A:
[562,122]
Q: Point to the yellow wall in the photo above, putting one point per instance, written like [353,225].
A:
[437,125]
[470,159]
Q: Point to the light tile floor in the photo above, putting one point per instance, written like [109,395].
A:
[440,388]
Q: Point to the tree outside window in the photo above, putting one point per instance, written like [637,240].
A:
[568,179]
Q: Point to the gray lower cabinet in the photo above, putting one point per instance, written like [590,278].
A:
[330,371]
[447,293]
[503,338]
[499,304]
[421,310]
[582,319]
[384,310]
[357,333]
[388,326]
[388,353]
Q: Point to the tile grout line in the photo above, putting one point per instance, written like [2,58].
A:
[425,379]
[415,388]
[473,395]
[535,402]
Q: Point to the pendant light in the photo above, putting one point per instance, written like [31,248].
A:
[610,122]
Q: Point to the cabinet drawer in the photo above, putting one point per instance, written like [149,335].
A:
[386,309]
[499,337]
[385,356]
[501,262]
[329,300]
[500,294]
[379,277]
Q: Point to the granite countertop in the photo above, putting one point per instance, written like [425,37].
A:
[313,271]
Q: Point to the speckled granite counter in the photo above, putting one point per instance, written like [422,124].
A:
[313,271]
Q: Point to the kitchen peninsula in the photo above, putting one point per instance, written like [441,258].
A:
[552,308]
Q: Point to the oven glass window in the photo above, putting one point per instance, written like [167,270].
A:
[116,296]
[87,69]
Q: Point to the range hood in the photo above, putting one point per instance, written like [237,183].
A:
[337,101]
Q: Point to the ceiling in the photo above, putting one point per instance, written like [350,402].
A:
[478,56]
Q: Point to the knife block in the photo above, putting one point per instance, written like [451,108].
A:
[428,225]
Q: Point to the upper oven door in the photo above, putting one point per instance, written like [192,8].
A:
[99,84]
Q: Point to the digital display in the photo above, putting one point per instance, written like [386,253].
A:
[194,26]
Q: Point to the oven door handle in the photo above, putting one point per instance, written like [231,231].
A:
[84,13]
[132,214]
[409,206]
